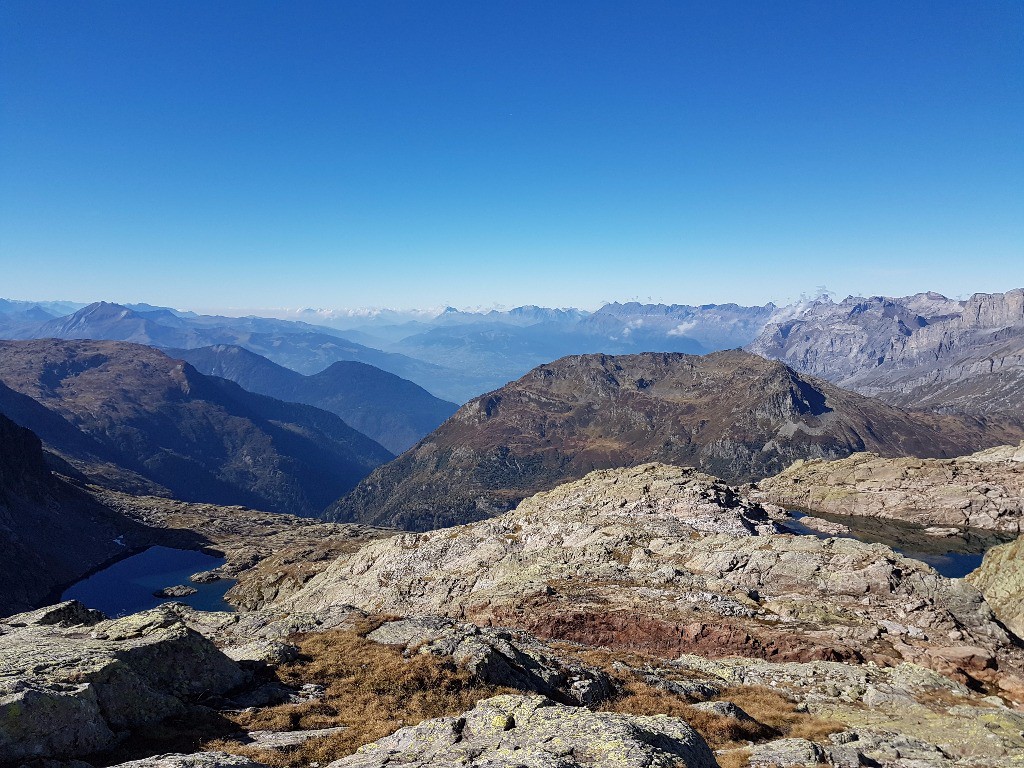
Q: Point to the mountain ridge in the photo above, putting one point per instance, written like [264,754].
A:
[732,414]
[393,411]
[161,422]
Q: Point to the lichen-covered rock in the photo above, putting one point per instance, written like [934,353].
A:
[982,490]
[1001,579]
[535,732]
[194,760]
[724,709]
[500,657]
[787,753]
[70,689]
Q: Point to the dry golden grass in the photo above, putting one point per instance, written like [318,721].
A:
[371,690]
[734,758]
[776,715]
[640,698]
[775,710]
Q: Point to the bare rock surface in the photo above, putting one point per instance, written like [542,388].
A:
[1001,579]
[534,732]
[981,490]
[178,590]
[72,683]
[193,760]
[286,739]
[787,753]
[670,561]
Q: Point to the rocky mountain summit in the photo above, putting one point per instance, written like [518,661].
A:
[981,490]
[923,350]
[733,414]
[129,417]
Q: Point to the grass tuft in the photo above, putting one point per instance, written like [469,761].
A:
[370,689]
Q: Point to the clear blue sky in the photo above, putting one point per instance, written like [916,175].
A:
[255,154]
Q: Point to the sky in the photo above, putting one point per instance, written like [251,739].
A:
[212,155]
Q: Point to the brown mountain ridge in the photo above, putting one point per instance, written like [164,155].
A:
[732,414]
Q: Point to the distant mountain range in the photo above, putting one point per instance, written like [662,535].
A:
[927,349]
[732,414]
[453,355]
[393,411]
[130,417]
[923,350]
[302,347]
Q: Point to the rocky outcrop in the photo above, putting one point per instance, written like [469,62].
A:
[668,561]
[178,590]
[982,490]
[732,414]
[534,732]
[500,657]
[888,714]
[98,679]
[1001,579]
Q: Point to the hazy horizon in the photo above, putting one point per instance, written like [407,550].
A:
[308,313]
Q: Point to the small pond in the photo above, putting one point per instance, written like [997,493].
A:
[953,556]
[128,585]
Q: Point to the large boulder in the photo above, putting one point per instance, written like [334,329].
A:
[1001,579]
[73,683]
[535,732]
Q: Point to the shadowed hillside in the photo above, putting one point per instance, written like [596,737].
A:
[129,417]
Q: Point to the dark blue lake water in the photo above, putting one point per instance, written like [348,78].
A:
[128,585]
[952,556]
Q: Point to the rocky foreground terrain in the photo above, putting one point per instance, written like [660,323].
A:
[649,616]
[733,414]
